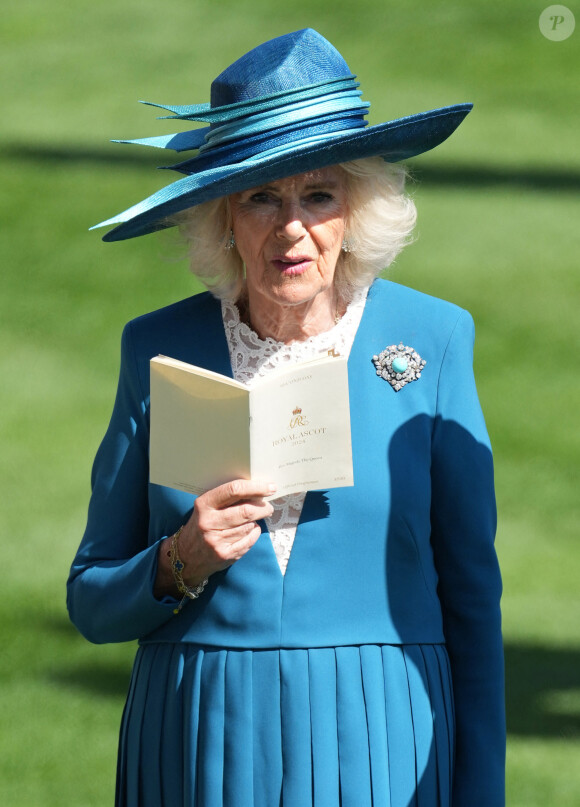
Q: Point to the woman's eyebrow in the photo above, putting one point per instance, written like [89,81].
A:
[330,184]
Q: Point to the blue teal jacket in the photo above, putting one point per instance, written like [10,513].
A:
[406,555]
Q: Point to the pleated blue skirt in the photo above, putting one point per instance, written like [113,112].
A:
[364,726]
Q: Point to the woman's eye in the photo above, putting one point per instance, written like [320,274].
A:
[320,197]
[260,198]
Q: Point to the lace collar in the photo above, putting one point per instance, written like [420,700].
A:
[252,356]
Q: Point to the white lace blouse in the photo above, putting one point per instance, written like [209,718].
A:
[251,356]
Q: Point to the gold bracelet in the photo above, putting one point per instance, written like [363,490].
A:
[177,567]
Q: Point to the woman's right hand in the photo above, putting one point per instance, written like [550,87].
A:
[221,529]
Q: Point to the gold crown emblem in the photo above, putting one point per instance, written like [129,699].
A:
[297,411]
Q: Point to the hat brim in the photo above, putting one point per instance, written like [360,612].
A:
[396,140]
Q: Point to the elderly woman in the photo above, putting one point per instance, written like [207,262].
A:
[336,647]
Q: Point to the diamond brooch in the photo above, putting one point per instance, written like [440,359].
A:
[399,365]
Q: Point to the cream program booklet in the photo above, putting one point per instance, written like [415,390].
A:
[291,428]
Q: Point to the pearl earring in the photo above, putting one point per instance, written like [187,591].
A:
[345,245]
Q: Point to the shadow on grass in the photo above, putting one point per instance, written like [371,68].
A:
[105,679]
[530,178]
[542,691]
[542,683]
[101,671]
[488,176]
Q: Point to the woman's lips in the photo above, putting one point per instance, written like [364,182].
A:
[291,266]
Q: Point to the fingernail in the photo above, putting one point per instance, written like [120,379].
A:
[272,488]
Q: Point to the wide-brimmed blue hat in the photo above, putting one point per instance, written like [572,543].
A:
[290,105]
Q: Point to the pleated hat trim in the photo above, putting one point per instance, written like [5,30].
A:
[290,105]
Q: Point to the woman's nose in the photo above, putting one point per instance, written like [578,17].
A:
[290,223]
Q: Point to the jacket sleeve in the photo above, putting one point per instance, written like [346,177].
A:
[463,521]
[110,587]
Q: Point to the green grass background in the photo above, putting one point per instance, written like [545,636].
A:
[498,233]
